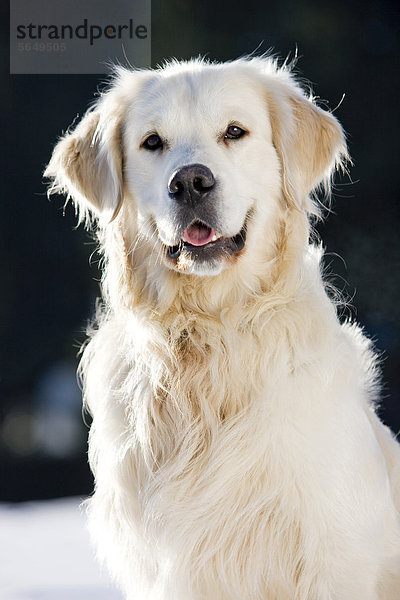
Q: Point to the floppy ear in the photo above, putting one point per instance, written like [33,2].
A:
[309,141]
[86,164]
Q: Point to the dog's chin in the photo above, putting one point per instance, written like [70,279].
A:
[208,255]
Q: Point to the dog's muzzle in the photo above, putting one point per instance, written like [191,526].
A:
[193,189]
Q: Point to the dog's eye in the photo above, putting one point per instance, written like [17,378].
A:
[153,142]
[234,132]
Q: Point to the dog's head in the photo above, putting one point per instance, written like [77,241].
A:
[201,157]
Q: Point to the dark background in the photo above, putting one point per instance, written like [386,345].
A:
[48,287]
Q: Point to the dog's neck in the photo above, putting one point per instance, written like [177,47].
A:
[136,281]
[204,328]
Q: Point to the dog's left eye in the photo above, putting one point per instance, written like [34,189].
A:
[234,132]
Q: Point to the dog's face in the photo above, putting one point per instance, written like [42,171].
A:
[201,164]
[207,154]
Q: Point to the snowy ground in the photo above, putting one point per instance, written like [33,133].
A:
[45,554]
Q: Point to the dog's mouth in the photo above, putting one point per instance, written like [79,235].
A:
[201,241]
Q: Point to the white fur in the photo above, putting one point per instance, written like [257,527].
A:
[235,447]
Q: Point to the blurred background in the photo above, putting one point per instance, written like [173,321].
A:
[49,277]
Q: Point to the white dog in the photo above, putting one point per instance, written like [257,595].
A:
[235,447]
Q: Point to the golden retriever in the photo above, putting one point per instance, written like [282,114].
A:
[235,446]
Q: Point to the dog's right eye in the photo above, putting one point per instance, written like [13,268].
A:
[153,142]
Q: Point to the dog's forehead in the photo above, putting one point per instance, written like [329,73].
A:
[208,96]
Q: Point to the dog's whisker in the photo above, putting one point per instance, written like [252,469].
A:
[158,259]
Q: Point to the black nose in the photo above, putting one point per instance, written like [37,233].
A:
[191,183]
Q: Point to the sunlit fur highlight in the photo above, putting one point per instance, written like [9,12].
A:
[235,445]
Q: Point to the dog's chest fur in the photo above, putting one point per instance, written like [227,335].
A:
[213,440]
[209,490]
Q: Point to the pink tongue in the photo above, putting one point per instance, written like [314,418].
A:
[198,234]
